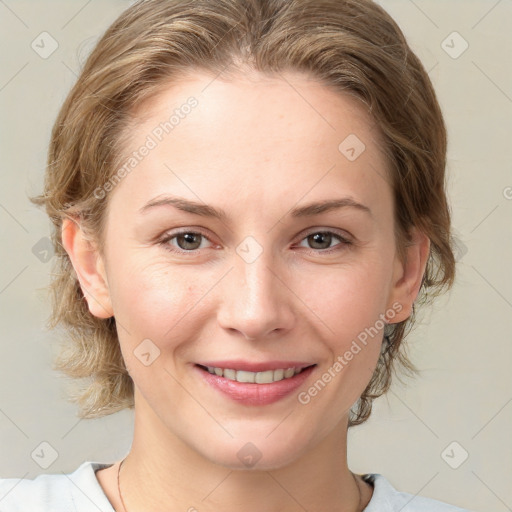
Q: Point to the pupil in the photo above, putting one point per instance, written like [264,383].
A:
[317,238]
[188,239]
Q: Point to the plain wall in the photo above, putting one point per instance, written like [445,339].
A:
[462,345]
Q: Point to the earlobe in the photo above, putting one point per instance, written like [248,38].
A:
[408,275]
[89,267]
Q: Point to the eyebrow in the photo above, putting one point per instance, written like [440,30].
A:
[205,210]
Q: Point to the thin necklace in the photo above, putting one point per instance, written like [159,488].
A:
[359,509]
[125,510]
[119,487]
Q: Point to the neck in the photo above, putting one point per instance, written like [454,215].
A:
[161,472]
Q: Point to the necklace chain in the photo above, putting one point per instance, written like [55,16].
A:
[119,487]
[125,510]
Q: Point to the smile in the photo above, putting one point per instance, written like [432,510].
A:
[264,377]
[259,388]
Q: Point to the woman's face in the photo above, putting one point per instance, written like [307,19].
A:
[260,283]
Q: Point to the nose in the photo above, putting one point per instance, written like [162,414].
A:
[256,299]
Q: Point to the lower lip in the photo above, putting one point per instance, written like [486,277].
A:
[248,393]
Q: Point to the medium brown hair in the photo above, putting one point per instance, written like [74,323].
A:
[352,46]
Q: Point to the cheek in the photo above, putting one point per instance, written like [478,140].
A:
[156,300]
[348,298]
[348,305]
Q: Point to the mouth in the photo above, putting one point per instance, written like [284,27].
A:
[251,388]
[261,377]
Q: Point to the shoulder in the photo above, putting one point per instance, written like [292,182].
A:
[79,491]
[387,499]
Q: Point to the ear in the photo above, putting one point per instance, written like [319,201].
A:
[407,276]
[89,267]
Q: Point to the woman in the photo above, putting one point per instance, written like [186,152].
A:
[248,200]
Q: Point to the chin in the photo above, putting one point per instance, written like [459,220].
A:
[258,452]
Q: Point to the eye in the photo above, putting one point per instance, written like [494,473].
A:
[189,242]
[185,241]
[321,241]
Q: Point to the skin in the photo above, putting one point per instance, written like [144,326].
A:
[256,147]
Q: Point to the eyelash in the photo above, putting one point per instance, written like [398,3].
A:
[345,242]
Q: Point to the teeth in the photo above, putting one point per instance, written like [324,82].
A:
[242,376]
[278,375]
[230,374]
[265,377]
[289,372]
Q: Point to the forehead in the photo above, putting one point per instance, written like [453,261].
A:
[255,137]
[285,104]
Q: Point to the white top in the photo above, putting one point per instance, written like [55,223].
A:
[80,491]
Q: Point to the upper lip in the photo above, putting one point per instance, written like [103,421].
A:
[249,366]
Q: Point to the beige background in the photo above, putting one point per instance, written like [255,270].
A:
[463,344]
